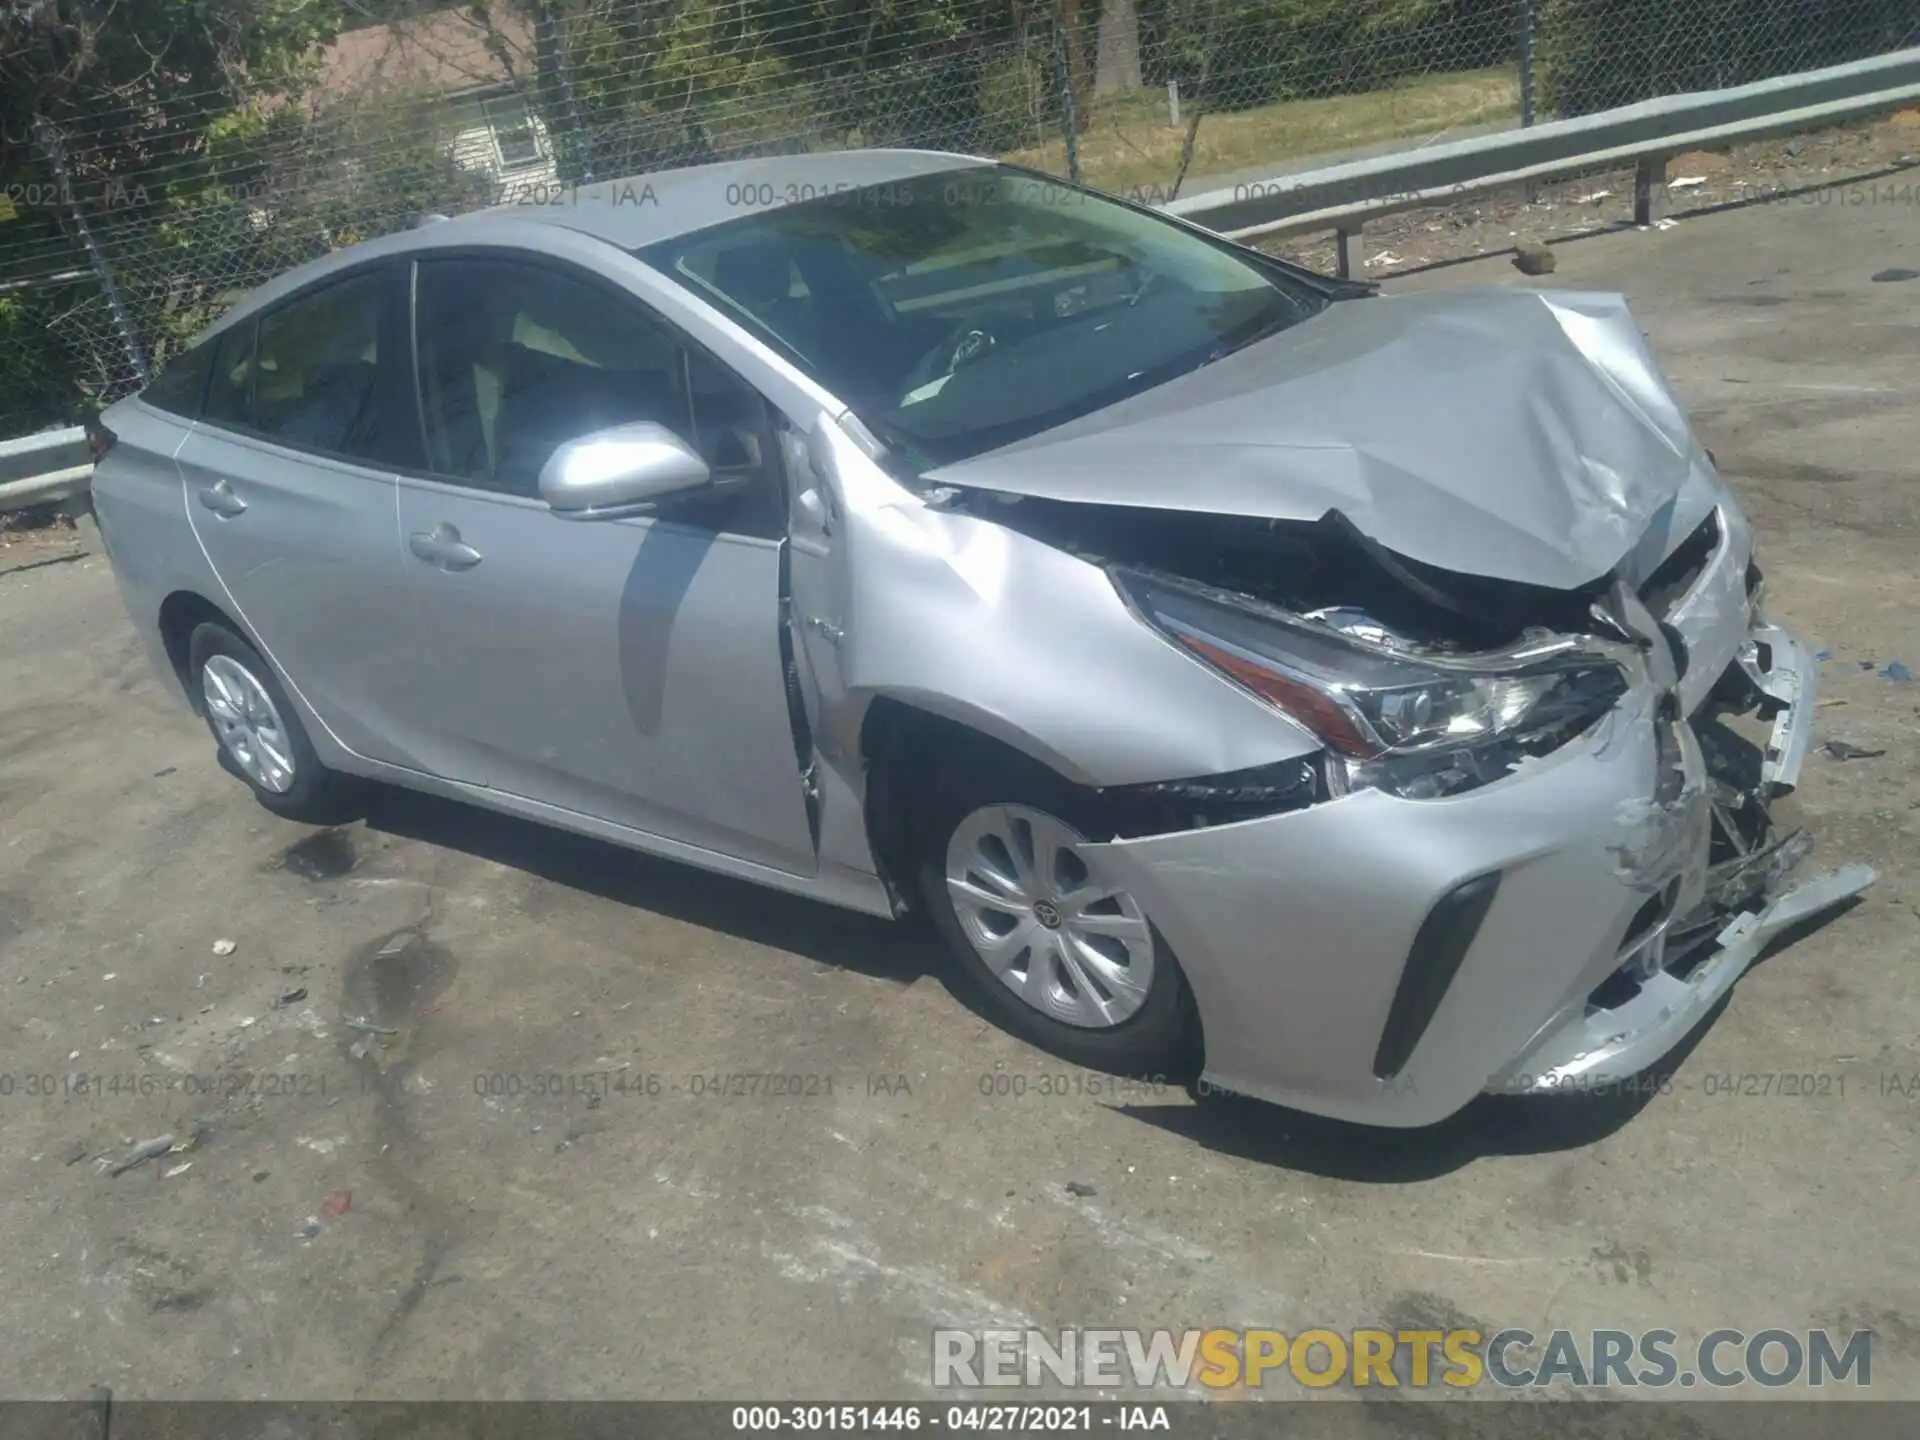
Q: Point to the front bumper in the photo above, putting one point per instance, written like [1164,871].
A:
[1670,989]
[1299,931]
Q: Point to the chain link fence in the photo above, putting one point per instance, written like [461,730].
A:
[126,227]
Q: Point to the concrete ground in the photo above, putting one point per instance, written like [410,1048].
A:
[437,1220]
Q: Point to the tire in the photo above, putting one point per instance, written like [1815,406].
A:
[270,751]
[1160,1037]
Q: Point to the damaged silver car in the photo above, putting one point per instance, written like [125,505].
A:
[1369,696]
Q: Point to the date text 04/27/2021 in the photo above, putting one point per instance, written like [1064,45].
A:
[964,1419]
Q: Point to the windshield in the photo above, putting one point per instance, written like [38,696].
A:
[961,311]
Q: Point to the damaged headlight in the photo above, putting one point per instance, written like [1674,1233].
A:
[1396,718]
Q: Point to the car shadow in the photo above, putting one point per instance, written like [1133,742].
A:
[1489,1126]
[1492,1125]
[1801,929]
[904,951]
[865,944]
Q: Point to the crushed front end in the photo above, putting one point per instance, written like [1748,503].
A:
[1545,844]
[1707,849]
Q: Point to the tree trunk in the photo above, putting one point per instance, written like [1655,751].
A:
[1079,72]
[1118,67]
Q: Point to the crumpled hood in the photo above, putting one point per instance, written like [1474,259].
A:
[1521,434]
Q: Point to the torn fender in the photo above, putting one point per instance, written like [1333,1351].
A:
[1021,641]
[1523,435]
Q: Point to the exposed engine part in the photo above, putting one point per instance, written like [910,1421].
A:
[1301,566]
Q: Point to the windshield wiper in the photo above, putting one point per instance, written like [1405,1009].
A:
[1286,315]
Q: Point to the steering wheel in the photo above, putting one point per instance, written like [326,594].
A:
[972,344]
[964,345]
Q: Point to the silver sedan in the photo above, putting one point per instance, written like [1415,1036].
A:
[1361,702]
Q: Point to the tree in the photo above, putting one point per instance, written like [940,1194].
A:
[130,90]
[1117,68]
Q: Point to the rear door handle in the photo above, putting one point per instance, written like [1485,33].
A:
[219,498]
[442,547]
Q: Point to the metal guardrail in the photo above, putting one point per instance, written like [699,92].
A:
[49,466]
[1344,197]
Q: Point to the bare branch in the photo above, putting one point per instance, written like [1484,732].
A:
[1201,97]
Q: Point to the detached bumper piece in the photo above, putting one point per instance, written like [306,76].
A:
[1682,956]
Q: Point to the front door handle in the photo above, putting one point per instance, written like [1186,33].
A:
[442,547]
[219,498]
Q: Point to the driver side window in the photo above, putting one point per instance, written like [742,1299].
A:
[515,359]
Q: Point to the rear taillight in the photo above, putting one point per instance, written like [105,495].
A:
[99,439]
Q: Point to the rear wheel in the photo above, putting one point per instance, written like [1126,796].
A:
[1052,944]
[258,731]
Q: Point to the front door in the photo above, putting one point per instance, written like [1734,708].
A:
[288,491]
[627,669]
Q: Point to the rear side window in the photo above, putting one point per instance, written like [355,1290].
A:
[178,386]
[315,366]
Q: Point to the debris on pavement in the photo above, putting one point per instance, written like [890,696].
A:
[292,997]
[224,947]
[1847,750]
[367,1027]
[336,1204]
[1896,671]
[395,946]
[179,1169]
[77,1154]
[1531,257]
[1666,222]
[311,1229]
[1686,182]
[1897,273]
[146,1150]
[1080,1188]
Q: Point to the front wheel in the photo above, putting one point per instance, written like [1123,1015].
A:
[1054,947]
[258,731]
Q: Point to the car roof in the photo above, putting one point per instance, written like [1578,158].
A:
[644,209]
[630,212]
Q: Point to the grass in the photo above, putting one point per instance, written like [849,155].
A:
[1127,147]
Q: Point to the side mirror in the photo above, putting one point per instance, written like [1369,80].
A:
[614,471]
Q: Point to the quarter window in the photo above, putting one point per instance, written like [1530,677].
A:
[177,387]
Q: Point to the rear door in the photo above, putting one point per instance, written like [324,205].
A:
[628,669]
[290,488]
